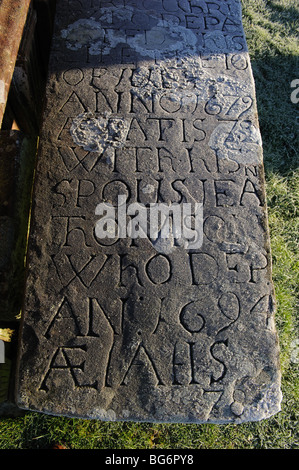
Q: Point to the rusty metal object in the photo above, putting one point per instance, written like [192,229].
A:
[12,20]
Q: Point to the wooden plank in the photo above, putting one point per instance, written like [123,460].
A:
[12,21]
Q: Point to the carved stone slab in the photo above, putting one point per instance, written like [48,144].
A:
[151,101]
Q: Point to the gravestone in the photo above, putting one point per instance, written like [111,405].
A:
[133,313]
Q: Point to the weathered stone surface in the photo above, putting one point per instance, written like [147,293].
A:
[154,101]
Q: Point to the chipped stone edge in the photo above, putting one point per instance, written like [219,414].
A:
[268,406]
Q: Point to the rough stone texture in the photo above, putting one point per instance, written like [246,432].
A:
[153,100]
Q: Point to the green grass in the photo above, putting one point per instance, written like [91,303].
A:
[271,30]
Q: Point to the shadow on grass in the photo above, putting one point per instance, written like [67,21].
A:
[278,116]
[287,16]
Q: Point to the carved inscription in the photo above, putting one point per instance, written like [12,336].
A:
[152,101]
